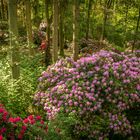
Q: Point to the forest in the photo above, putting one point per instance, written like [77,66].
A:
[69,69]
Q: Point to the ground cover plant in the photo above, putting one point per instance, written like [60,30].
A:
[17,94]
[97,97]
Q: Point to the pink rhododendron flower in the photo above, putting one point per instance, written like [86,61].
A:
[1,137]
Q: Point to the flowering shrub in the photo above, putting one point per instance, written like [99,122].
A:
[14,128]
[137,52]
[98,92]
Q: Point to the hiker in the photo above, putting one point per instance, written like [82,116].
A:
[43,45]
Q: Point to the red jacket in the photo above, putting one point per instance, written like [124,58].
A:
[43,45]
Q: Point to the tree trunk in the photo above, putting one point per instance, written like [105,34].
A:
[125,23]
[136,31]
[2,9]
[29,25]
[61,32]
[36,13]
[55,30]
[115,10]
[104,22]
[12,8]
[23,16]
[106,8]
[88,19]
[6,12]
[75,30]
[47,51]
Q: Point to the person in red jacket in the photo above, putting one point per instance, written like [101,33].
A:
[43,45]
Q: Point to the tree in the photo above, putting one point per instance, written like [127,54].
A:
[36,16]
[75,30]
[127,5]
[107,6]
[55,30]
[12,8]
[62,6]
[29,24]
[88,19]
[47,51]
[136,30]
[3,11]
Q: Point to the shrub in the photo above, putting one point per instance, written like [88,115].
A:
[97,92]
[16,128]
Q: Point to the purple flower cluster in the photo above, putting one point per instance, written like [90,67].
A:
[104,83]
[119,123]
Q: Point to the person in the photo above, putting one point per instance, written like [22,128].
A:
[43,45]
[43,26]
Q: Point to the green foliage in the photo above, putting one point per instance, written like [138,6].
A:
[17,95]
[62,127]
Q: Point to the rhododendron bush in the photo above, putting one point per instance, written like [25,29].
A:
[99,91]
[14,128]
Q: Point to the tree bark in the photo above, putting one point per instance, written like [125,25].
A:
[88,19]
[2,9]
[23,16]
[29,25]
[115,10]
[136,31]
[61,27]
[12,6]
[6,12]
[125,23]
[106,7]
[47,51]
[104,22]
[36,13]
[55,30]
[75,30]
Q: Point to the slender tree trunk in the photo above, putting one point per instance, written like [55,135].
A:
[88,19]
[12,8]
[93,29]
[36,13]
[125,23]
[104,22]
[29,25]
[61,27]
[136,31]
[114,9]
[47,3]
[23,15]
[47,51]
[75,30]
[2,9]
[6,11]
[55,30]
[36,4]
[106,8]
